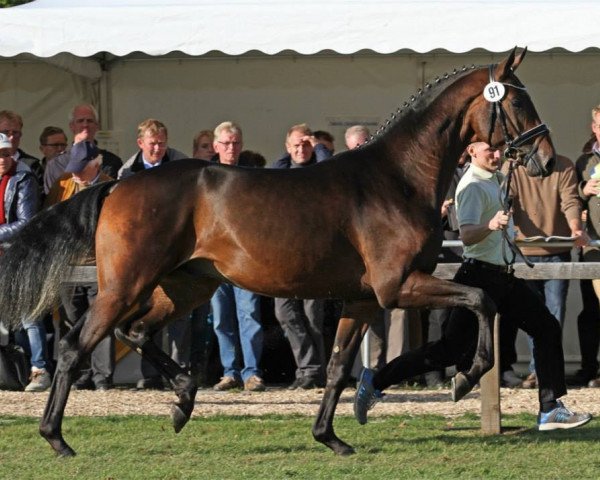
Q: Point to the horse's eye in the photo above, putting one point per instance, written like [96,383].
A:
[516,102]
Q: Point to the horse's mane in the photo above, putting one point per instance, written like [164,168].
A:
[420,100]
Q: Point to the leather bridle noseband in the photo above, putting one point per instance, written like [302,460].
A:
[514,155]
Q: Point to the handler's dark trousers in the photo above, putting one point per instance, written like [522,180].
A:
[517,304]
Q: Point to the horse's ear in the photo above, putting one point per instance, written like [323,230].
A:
[510,64]
[517,61]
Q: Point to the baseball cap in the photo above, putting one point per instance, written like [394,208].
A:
[81,153]
[5,141]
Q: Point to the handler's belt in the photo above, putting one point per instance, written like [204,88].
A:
[489,266]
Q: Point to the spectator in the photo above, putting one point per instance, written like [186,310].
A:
[229,301]
[83,122]
[152,141]
[481,221]
[19,201]
[248,158]
[558,214]
[82,171]
[203,145]
[356,136]
[302,320]
[310,150]
[11,125]
[53,142]
[378,336]
[588,321]
[437,318]
[326,139]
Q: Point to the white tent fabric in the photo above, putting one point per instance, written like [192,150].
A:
[195,27]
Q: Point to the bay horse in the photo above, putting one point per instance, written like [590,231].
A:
[363,226]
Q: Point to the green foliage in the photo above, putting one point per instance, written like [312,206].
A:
[12,3]
[278,447]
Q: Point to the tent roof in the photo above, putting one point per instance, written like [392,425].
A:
[85,27]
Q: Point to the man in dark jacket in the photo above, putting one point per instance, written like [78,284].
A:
[11,125]
[587,168]
[302,320]
[19,201]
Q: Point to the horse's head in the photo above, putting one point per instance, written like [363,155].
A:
[504,116]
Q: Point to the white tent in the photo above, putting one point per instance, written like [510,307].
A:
[234,27]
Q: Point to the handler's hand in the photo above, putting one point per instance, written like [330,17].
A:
[499,221]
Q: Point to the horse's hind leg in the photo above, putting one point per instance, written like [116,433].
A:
[176,296]
[352,326]
[73,348]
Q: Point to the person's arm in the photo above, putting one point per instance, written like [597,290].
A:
[27,205]
[471,234]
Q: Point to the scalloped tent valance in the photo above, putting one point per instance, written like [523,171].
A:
[46,28]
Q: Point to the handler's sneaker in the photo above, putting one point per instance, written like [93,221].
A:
[366,395]
[561,417]
[40,380]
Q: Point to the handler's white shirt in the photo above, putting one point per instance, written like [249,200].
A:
[478,199]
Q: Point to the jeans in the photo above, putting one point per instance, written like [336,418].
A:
[32,337]
[553,292]
[236,320]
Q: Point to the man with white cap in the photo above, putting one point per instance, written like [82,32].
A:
[83,170]
[19,201]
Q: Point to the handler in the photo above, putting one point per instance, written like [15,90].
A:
[481,221]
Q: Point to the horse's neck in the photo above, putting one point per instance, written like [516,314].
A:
[429,158]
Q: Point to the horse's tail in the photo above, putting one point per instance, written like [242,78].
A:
[40,256]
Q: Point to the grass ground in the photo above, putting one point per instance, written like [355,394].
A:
[281,447]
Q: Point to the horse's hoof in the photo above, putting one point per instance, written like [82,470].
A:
[460,386]
[345,451]
[66,452]
[179,417]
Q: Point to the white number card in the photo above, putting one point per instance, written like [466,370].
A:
[494,92]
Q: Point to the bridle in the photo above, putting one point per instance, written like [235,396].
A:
[515,156]
[513,145]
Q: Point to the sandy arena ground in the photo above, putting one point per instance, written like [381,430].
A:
[281,401]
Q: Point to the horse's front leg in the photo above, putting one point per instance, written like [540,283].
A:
[351,328]
[422,290]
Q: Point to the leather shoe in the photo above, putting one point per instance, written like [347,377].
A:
[295,384]
[530,381]
[150,383]
[83,383]
[594,383]
[103,385]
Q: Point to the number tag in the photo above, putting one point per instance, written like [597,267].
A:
[494,92]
